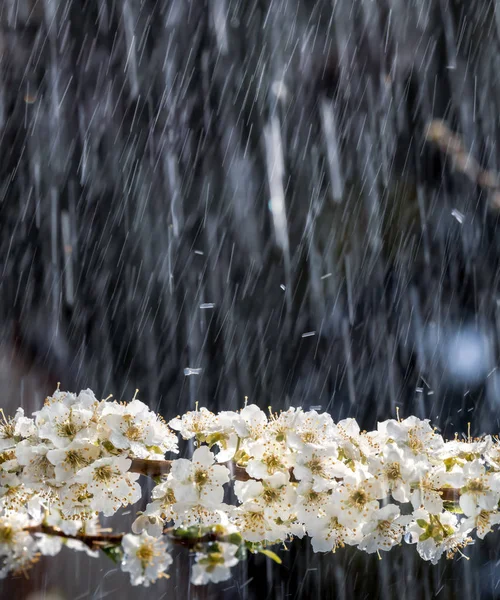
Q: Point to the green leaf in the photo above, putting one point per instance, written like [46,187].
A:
[422,523]
[424,536]
[452,507]
[113,552]
[272,555]
[234,538]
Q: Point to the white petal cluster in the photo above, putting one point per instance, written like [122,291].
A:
[340,485]
[214,564]
[18,548]
[192,495]
[145,558]
[75,454]
[295,473]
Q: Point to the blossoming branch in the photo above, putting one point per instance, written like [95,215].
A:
[285,475]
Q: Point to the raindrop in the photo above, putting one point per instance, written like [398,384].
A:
[191,371]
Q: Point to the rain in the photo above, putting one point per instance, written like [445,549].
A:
[295,202]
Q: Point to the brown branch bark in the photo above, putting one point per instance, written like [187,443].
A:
[160,468]
[92,541]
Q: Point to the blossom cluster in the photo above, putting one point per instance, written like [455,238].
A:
[66,464]
[254,480]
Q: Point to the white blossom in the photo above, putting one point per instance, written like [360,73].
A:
[327,531]
[482,520]
[320,467]
[251,423]
[109,484]
[193,423]
[17,547]
[384,529]
[416,434]
[135,428]
[357,498]
[312,430]
[198,488]
[215,564]
[427,492]
[145,558]
[480,488]
[436,535]
[69,460]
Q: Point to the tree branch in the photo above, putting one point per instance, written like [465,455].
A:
[92,541]
[160,468]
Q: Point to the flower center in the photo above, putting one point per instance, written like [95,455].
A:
[393,471]
[76,459]
[200,477]
[7,430]
[6,534]
[476,485]
[169,497]
[359,498]
[134,433]
[273,463]
[309,437]
[315,466]
[103,474]
[146,553]
[254,521]
[66,429]
[414,442]
[271,495]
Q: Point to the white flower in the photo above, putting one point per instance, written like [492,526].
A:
[414,433]
[327,531]
[17,547]
[481,489]
[134,427]
[75,502]
[48,545]
[319,467]
[38,471]
[428,494]
[109,483]
[69,460]
[159,511]
[275,496]
[492,455]
[145,558]
[280,426]
[11,430]
[254,525]
[221,432]
[194,423]
[268,458]
[396,469]
[357,498]
[64,419]
[463,451]
[151,523]
[13,493]
[436,535]
[312,430]
[251,423]
[215,564]
[354,445]
[384,529]
[197,485]
[482,520]
[310,504]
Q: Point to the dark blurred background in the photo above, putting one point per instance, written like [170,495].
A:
[213,199]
